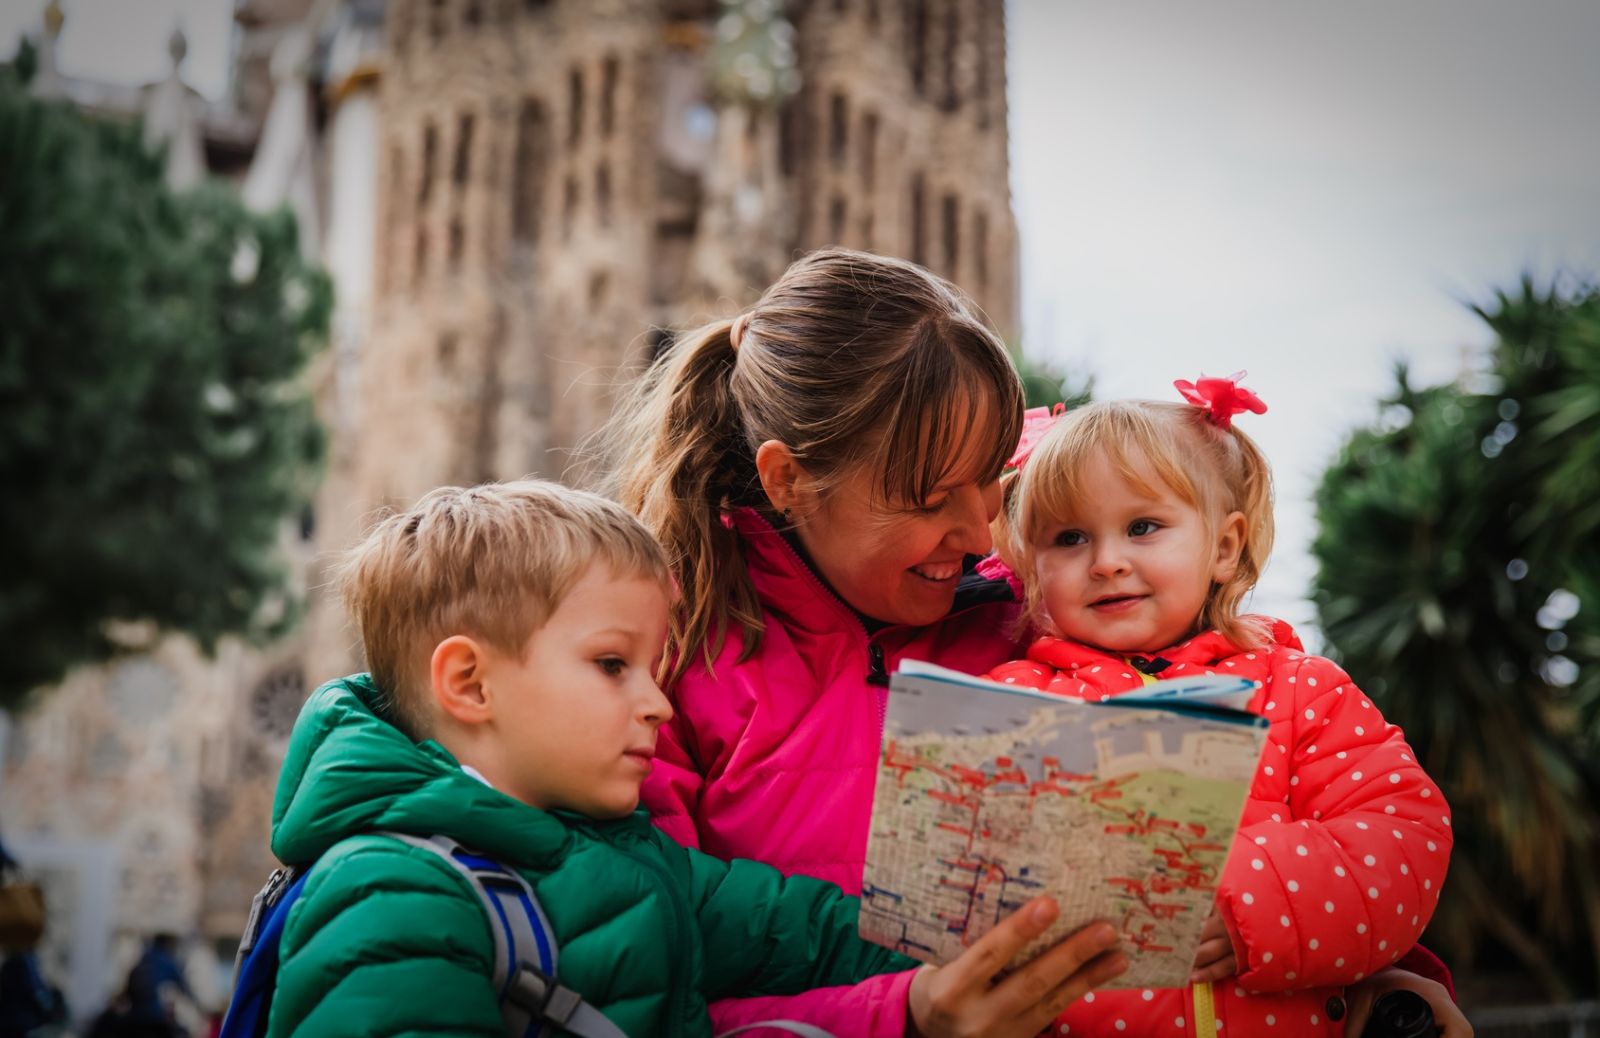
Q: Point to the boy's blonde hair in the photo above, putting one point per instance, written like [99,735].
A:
[1152,444]
[849,359]
[491,561]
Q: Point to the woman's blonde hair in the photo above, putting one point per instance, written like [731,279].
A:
[1153,445]
[849,358]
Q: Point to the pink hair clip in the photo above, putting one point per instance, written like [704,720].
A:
[1036,421]
[1221,397]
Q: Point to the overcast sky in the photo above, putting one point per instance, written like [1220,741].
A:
[1304,190]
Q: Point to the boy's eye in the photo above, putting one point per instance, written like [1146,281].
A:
[612,665]
[1068,538]
[1141,527]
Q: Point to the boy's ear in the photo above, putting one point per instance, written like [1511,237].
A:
[783,478]
[1230,548]
[456,673]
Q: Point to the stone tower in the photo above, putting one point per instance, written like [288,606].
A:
[561,181]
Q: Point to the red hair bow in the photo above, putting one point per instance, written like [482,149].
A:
[1221,397]
[1036,421]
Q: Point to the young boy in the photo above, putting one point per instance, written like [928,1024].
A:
[513,632]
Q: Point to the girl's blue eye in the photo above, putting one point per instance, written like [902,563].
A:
[1068,539]
[1141,527]
[612,665]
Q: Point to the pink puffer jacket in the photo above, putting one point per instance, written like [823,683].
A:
[774,758]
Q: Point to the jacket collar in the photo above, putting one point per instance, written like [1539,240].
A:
[1203,650]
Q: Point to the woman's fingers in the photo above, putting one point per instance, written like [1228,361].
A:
[1076,963]
[977,966]
[1092,974]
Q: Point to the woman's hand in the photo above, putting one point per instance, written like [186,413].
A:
[1214,959]
[1447,1016]
[961,998]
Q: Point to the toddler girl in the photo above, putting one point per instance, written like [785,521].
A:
[1136,529]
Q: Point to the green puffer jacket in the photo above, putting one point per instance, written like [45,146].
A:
[389,940]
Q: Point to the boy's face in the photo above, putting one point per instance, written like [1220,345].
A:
[1126,571]
[576,716]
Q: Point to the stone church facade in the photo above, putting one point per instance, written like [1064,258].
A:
[519,201]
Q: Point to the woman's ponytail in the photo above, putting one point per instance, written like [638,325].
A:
[681,462]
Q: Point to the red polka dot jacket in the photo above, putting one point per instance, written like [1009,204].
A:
[1339,857]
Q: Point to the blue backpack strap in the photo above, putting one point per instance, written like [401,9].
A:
[525,950]
[256,966]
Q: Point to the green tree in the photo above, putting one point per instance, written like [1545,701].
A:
[1459,582]
[155,430]
[1044,385]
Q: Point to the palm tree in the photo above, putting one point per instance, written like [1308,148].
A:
[1459,582]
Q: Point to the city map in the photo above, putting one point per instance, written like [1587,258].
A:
[988,795]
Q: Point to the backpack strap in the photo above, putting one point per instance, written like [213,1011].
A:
[525,951]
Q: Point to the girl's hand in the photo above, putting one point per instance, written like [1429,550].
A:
[1214,959]
[1447,1016]
[961,998]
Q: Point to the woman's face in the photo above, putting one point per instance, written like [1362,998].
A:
[896,561]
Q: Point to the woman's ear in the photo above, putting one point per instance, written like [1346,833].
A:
[784,479]
[456,675]
[1230,548]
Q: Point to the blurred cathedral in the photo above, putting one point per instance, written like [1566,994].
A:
[519,201]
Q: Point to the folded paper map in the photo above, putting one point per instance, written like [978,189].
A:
[988,795]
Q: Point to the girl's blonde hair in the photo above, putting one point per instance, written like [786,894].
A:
[1153,445]
[849,358]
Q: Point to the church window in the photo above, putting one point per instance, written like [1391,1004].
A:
[473,14]
[836,220]
[276,700]
[430,149]
[463,162]
[838,128]
[419,268]
[951,228]
[952,37]
[436,18]
[458,241]
[980,248]
[982,88]
[528,171]
[916,26]
[574,106]
[602,194]
[569,206]
[869,149]
[919,232]
[610,75]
